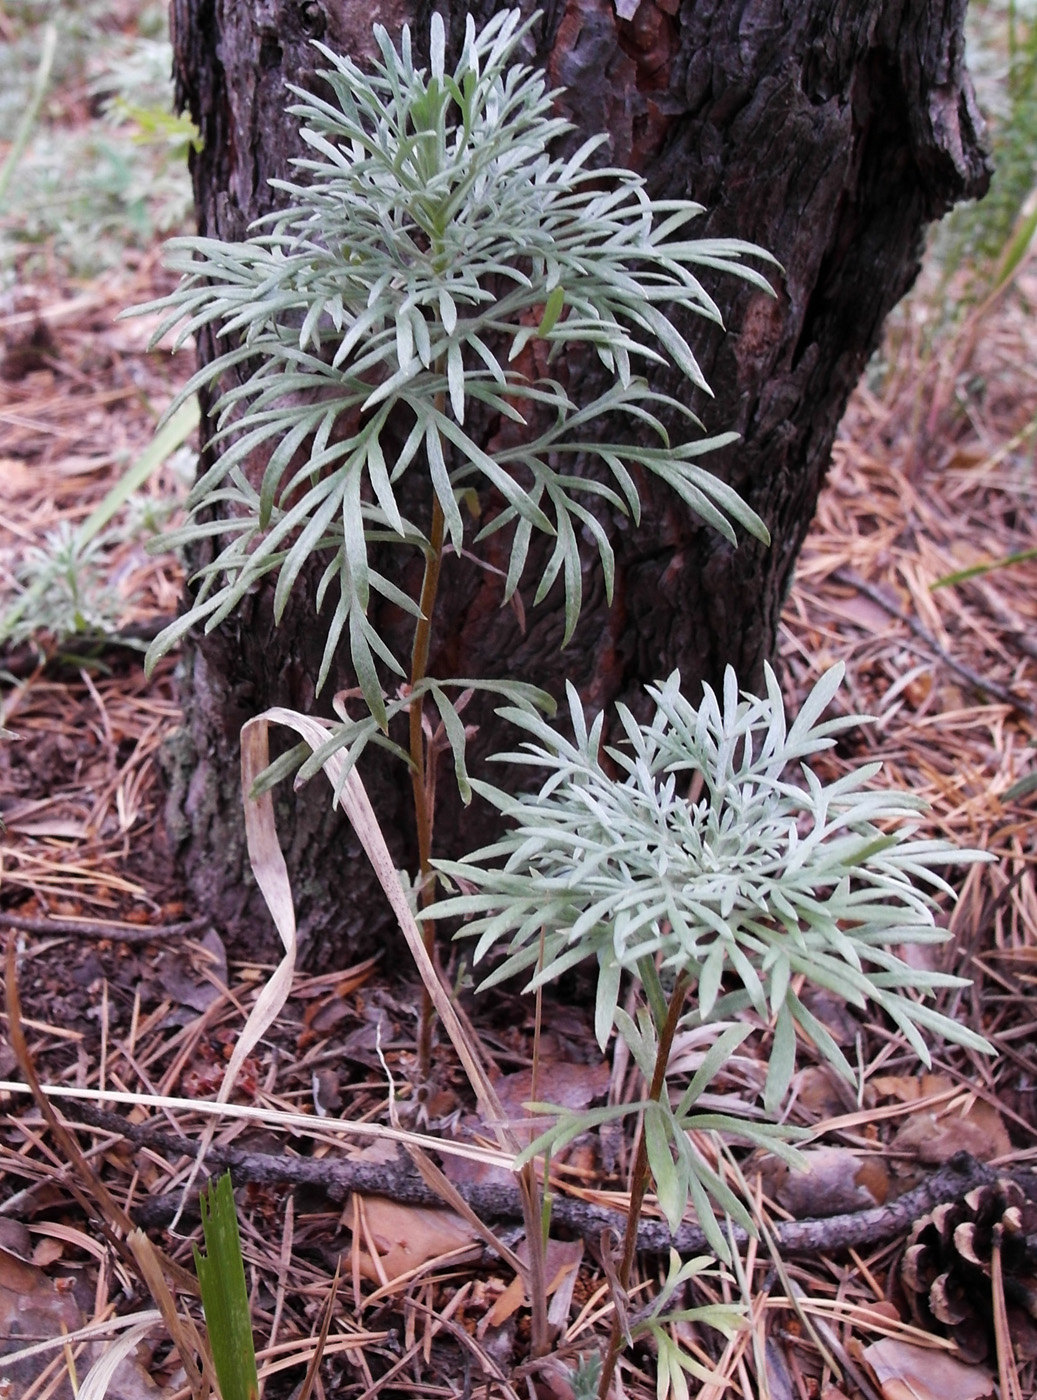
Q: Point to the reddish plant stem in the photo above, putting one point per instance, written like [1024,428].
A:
[639,1181]
[424,814]
[419,768]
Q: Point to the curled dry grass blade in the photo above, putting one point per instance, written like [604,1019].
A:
[272,876]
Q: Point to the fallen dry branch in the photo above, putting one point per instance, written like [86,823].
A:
[337,1177]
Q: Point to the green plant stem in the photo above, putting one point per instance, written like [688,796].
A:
[639,1181]
[423,814]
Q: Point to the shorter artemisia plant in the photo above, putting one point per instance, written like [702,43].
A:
[701,857]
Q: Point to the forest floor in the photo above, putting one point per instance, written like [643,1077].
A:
[125,993]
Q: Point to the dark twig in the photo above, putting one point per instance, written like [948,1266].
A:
[96,928]
[983,684]
[335,1178]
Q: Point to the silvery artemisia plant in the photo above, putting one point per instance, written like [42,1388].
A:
[704,851]
[432,237]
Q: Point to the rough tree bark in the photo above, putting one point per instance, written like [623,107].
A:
[829,131]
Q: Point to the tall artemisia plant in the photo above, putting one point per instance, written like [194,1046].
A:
[431,237]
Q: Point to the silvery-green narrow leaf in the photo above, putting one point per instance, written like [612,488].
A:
[310,323]
[782,1064]
[379,477]
[570,1126]
[822,1038]
[390,387]
[707,1219]
[683,213]
[447,311]
[670,1379]
[547,578]
[175,632]
[559,965]
[437,46]
[605,550]
[779,982]
[606,999]
[670,1191]
[675,344]
[421,336]
[815,704]
[747,274]
[713,1061]
[942,1025]
[355,577]
[344,736]
[573,572]
[640,1041]
[455,732]
[522,694]
[508,487]
[335,629]
[709,980]
[626,484]
[520,540]
[307,543]
[368,319]
[363,665]
[456,380]
[696,500]
[729,500]
[488,358]
[442,486]
[750,981]
[353,753]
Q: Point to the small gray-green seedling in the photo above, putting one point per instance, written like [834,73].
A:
[704,858]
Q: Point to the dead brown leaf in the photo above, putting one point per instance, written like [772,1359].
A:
[934,1138]
[830,1181]
[906,1372]
[404,1237]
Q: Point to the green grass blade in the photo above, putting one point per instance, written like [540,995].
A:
[988,566]
[221,1275]
[173,434]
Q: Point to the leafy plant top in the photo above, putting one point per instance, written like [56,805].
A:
[432,239]
[698,845]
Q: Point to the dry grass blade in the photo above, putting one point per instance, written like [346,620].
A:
[354,801]
[313,1367]
[194,1354]
[272,875]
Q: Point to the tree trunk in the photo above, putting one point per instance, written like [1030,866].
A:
[828,131]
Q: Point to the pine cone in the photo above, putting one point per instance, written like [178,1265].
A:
[946,1269]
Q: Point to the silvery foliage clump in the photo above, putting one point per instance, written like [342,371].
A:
[63,589]
[704,844]
[432,237]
